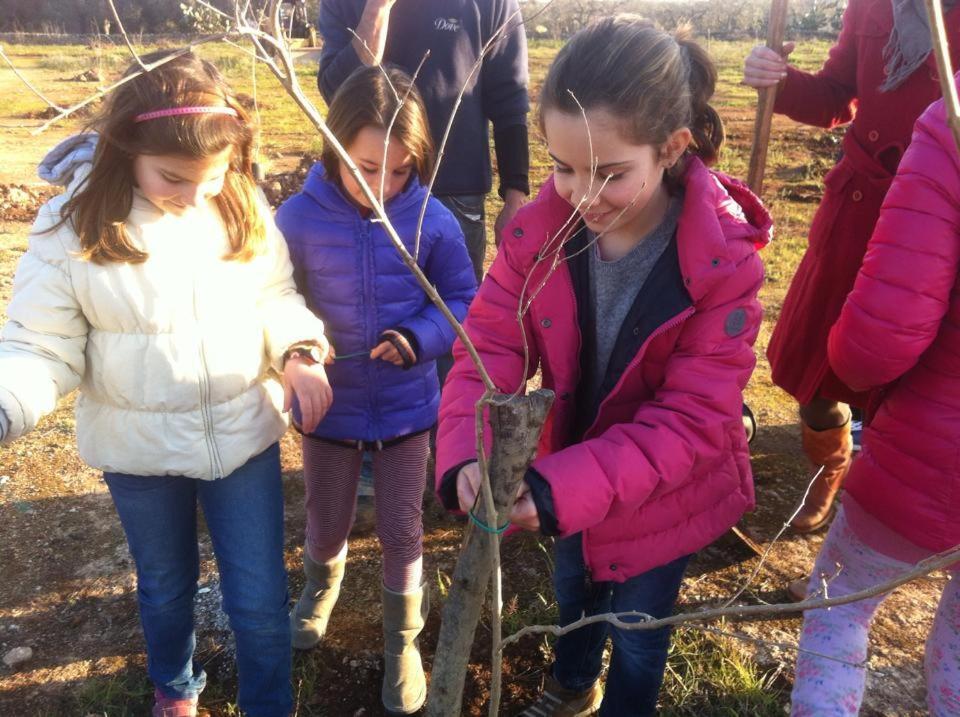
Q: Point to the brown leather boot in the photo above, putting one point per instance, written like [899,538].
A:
[832,449]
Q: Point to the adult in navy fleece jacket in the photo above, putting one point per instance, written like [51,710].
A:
[454,32]
[352,276]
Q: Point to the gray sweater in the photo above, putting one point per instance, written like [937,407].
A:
[615,284]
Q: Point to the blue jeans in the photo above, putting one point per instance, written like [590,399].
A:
[639,656]
[244,516]
[471,216]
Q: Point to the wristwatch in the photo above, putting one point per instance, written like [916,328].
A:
[308,352]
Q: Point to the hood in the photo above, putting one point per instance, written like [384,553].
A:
[69,162]
[332,199]
[740,212]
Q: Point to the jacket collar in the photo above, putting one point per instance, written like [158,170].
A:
[718,213]
[331,197]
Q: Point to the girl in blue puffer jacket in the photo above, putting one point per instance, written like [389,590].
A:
[387,335]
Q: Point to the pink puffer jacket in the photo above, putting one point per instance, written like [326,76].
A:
[899,333]
[664,468]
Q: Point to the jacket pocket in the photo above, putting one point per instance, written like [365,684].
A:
[834,198]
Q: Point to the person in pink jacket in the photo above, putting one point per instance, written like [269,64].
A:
[898,337]
[641,271]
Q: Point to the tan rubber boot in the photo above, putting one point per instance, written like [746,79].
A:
[832,449]
[404,684]
[308,620]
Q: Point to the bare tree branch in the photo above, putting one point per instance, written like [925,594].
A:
[783,529]
[64,113]
[25,81]
[126,38]
[744,612]
[288,79]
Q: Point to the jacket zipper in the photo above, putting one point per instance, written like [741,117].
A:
[369,311]
[203,377]
[660,330]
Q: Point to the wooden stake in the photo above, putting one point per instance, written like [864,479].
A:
[516,422]
[766,96]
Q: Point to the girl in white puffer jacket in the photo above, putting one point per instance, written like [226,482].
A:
[158,284]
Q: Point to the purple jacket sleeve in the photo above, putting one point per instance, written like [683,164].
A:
[449,269]
[902,292]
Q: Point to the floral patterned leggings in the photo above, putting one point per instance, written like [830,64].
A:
[826,687]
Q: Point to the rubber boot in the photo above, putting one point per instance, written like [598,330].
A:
[404,684]
[832,449]
[308,620]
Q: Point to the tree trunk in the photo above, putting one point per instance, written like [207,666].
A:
[516,424]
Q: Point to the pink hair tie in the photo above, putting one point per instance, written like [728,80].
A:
[177,111]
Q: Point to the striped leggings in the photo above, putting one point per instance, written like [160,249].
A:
[331,473]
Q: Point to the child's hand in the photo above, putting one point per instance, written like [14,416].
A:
[468,485]
[308,382]
[765,67]
[390,350]
[524,512]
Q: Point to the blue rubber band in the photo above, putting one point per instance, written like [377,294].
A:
[483,526]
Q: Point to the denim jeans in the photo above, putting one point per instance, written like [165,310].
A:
[469,211]
[244,516]
[639,656]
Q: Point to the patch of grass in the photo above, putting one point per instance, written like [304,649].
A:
[125,694]
[710,675]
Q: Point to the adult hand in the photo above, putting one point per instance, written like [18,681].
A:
[468,486]
[308,382]
[524,511]
[371,32]
[387,351]
[765,67]
[513,199]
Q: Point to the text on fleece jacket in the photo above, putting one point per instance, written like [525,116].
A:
[664,468]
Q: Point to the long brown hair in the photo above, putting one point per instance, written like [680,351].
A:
[654,82]
[367,99]
[99,209]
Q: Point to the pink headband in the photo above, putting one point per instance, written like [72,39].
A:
[177,111]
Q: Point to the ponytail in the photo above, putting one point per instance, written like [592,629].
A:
[705,124]
[655,82]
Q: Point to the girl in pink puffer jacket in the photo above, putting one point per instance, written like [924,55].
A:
[644,329]
[898,336]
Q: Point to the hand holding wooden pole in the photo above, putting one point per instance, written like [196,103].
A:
[761,128]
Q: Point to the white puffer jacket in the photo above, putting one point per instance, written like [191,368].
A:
[172,356]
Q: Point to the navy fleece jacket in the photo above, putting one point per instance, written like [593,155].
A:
[455,32]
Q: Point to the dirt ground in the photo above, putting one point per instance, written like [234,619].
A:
[67,590]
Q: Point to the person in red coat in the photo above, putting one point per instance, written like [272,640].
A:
[878,77]
[899,335]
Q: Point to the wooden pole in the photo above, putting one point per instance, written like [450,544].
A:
[941,51]
[766,96]
[516,422]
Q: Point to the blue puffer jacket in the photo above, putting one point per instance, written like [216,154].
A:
[353,277]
